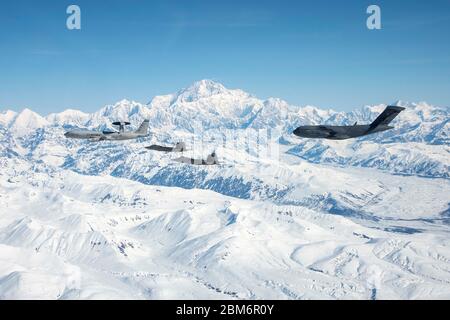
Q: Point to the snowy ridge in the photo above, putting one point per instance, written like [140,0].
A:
[112,238]
[356,219]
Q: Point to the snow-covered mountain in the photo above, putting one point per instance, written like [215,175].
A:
[364,218]
[68,236]
[68,117]
[24,122]
[419,145]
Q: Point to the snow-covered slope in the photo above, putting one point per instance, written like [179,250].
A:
[68,236]
[6,117]
[280,217]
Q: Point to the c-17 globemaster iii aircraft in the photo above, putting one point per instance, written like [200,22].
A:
[347,132]
[110,135]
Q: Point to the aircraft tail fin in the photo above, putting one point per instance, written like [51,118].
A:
[386,116]
[212,158]
[143,128]
[180,146]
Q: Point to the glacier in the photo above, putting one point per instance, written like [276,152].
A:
[280,218]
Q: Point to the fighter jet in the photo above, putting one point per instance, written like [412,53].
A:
[210,160]
[347,132]
[179,147]
[110,135]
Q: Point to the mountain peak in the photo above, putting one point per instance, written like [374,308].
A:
[122,106]
[201,89]
[68,116]
[207,85]
[28,115]
[26,121]
[27,111]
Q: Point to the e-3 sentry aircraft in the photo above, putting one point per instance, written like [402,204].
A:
[110,135]
[346,132]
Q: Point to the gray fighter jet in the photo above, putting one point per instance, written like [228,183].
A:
[346,132]
[110,135]
[210,160]
[179,147]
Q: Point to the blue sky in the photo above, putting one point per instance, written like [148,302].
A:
[306,52]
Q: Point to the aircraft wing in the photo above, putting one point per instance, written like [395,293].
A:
[211,160]
[156,147]
[198,162]
[188,160]
[95,136]
[98,138]
[386,116]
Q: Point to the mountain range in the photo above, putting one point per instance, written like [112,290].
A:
[280,217]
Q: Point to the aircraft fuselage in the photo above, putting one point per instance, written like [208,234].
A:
[93,135]
[337,132]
